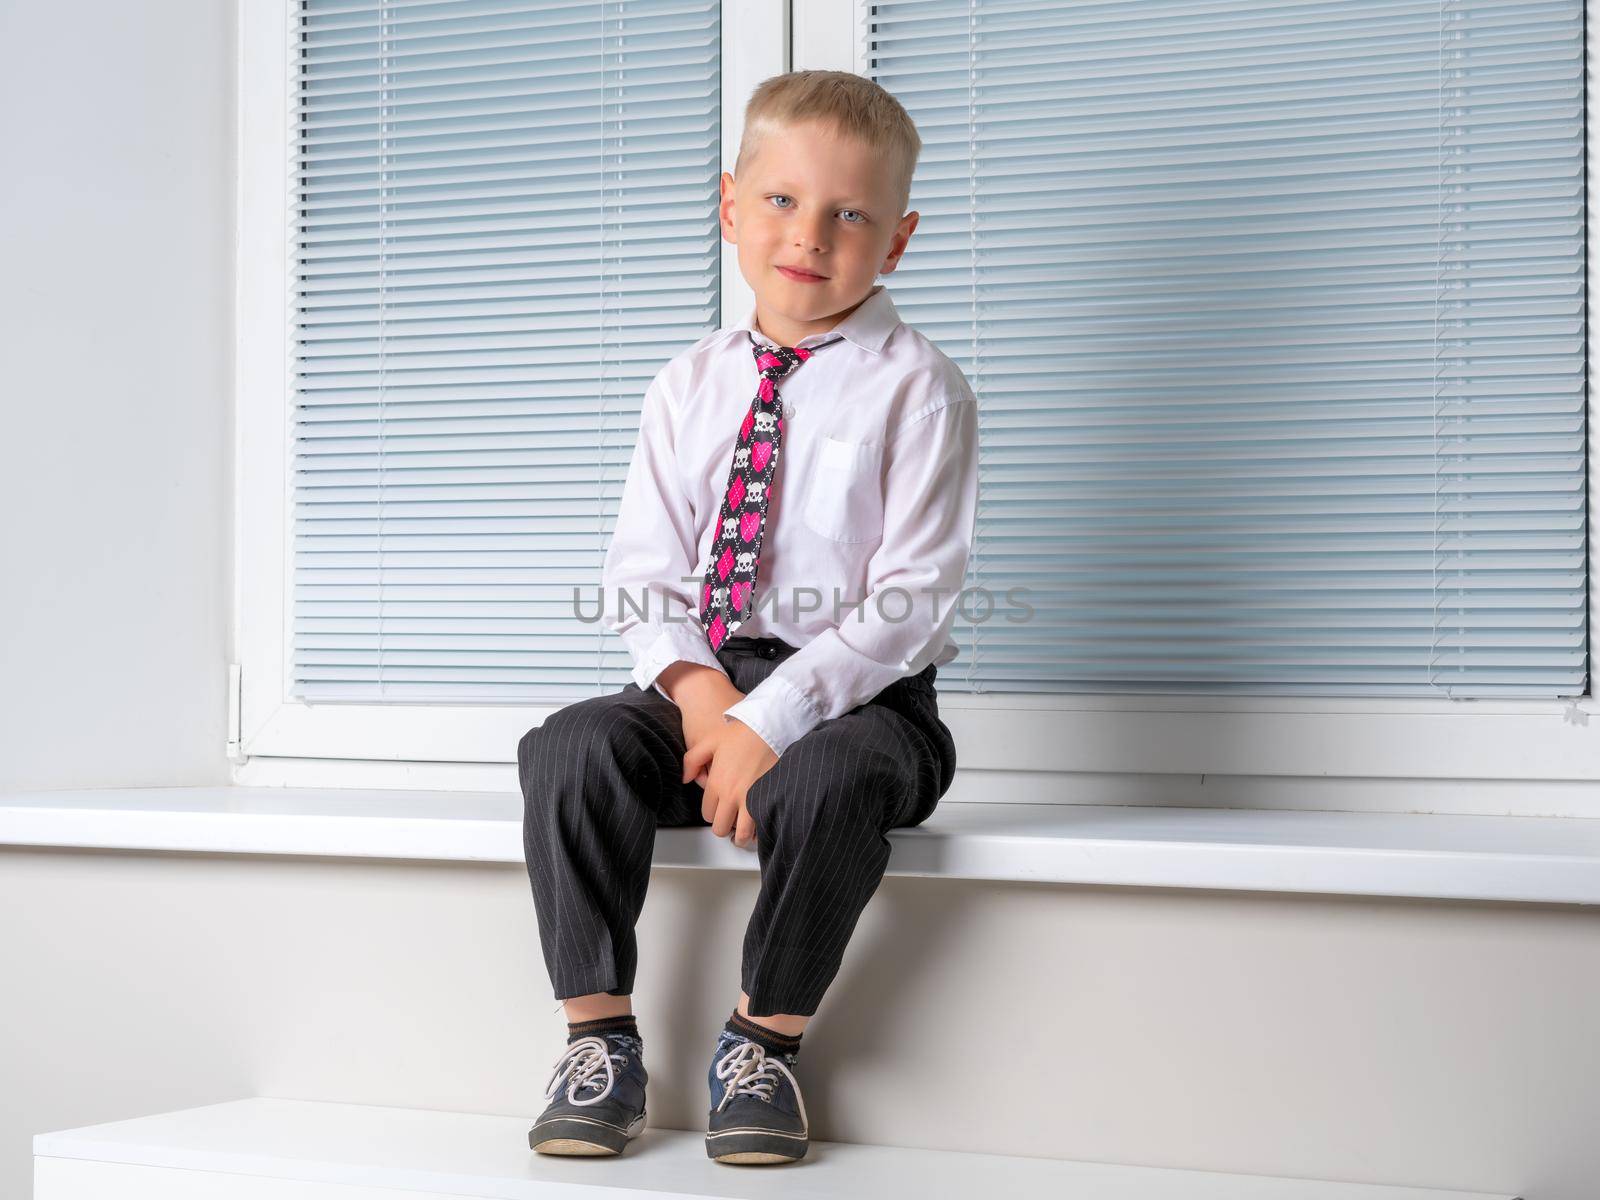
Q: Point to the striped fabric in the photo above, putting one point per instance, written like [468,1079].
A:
[599,776]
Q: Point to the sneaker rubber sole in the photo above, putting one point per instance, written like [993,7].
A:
[580,1136]
[755,1146]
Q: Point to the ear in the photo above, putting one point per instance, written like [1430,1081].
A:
[725,210]
[897,245]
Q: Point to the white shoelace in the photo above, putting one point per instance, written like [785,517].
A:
[586,1057]
[749,1069]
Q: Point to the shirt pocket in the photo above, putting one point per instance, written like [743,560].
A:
[844,501]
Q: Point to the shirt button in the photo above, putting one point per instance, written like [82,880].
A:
[769,652]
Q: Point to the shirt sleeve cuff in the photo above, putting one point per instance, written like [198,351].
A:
[779,712]
[659,647]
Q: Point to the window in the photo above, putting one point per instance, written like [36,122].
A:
[1275,312]
[497,222]
[505,226]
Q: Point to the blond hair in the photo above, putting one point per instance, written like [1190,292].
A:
[853,105]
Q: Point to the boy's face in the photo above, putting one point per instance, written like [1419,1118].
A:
[812,199]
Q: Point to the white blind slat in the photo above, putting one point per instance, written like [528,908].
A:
[1275,313]
[504,220]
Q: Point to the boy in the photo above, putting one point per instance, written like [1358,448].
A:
[814,730]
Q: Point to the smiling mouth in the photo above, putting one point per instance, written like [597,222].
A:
[800,272]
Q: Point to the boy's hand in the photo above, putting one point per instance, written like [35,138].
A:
[701,695]
[701,719]
[734,756]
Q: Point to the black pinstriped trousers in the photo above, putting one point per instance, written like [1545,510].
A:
[600,775]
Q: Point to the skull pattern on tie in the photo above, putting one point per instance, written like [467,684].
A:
[727,594]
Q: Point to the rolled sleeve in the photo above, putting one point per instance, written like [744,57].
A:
[648,581]
[669,644]
[779,712]
[930,519]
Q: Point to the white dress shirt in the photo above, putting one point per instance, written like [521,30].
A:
[876,489]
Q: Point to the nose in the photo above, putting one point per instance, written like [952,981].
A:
[809,238]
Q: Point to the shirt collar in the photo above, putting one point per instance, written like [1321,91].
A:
[869,326]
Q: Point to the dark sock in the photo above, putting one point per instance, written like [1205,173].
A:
[625,1027]
[770,1040]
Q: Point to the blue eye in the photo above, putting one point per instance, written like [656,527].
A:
[858,212]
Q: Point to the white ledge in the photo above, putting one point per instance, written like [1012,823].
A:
[1541,859]
[343,1150]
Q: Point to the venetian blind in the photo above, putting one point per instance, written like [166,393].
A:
[1275,311]
[504,224]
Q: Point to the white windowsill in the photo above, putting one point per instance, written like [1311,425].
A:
[1544,859]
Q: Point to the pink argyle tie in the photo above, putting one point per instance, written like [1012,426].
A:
[727,596]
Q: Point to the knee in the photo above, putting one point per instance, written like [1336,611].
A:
[546,757]
[535,749]
[527,764]
[816,784]
[569,739]
[564,724]
[526,749]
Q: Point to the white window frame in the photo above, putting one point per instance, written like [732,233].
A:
[1280,751]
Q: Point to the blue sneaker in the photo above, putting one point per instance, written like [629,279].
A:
[757,1112]
[602,1106]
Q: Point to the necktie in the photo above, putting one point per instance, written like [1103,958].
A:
[730,580]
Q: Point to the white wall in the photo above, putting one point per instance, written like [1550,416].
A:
[1420,1042]
[1443,1044]
[116,324]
